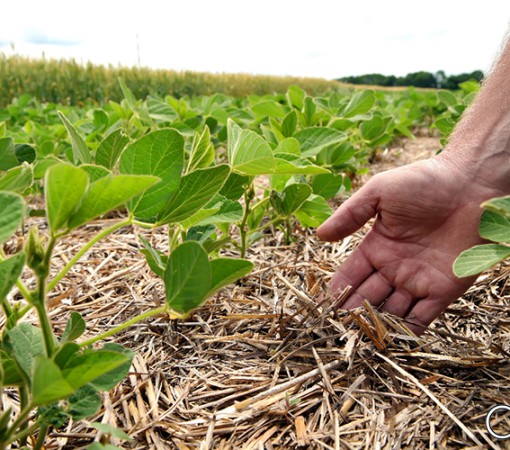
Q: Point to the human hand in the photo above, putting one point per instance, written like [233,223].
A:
[426,214]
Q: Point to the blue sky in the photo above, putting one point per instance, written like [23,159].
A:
[321,38]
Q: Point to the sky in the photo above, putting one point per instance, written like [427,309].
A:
[314,38]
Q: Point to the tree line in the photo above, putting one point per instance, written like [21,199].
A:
[424,79]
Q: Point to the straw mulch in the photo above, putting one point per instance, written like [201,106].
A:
[271,363]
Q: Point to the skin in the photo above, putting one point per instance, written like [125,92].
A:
[426,214]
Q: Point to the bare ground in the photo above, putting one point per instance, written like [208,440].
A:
[271,363]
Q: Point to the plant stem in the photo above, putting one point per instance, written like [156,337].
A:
[242,225]
[43,431]
[84,250]
[23,402]
[136,319]
[22,435]
[19,422]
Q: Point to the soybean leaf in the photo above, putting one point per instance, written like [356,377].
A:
[495,227]
[195,190]
[64,353]
[110,148]
[327,185]
[128,95]
[234,187]
[293,196]
[11,373]
[80,150]
[248,153]
[373,128]
[187,277]
[221,210]
[100,446]
[360,103]
[82,369]
[107,193]
[17,179]
[10,270]
[313,211]
[161,154]
[48,383]
[25,153]
[13,209]
[75,327]
[95,172]
[226,271]
[8,158]
[83,403]
[289,145]
[25,342]
[289,164]
[314,139]
[200,233]
[296,97]
[500,205]
[479,258]
[268,108]
[336,156]
[111,378]
[289,124]
[202,151]
[111,430]
[65,186]
[157,261]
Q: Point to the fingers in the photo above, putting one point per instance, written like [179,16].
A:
[424,313]
[351,215]
[375,289]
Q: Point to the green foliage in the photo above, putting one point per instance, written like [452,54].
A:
[494,226]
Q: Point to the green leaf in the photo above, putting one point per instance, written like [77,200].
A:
[221,211]
[293,196]
[289,124]
[95,172]
[336,156]
[110,148]
[65,186]
[83,403]
[17,179]
[268,108]
[448,98]
[128,95]
[100,446]
[202,151]
[234,187]
[8,158]
[479,258]
[48,383]
[289,164]
[25,343]
[156,260]
[111,430]
[13,209]
[80,150]
[314,139]
[360,103]
[114,376]
[289,145]
[501,205]
[195,190]
[373,128]
[226,271]
[161,154]
[296,97]
[11,372]
[64,353]
[248,153]
[200,233]
[82,369]
[495,227]
[10,270]
[107,193]
[327,185]
[313,212]
[25,153]
[187,277]
[75,327]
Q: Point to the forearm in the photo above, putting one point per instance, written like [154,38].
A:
[480,144]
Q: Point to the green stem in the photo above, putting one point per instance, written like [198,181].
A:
[268,224]
[19,422]
[23,403]
[22,435]
[136,319]
[43,431]
[244,220]
[85,249]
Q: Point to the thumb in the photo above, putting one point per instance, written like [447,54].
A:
[351,215]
